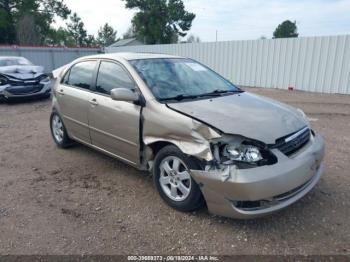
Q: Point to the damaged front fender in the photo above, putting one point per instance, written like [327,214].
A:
[190,136]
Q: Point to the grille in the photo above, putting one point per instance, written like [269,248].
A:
[292,143]
[23,87]
[23,90]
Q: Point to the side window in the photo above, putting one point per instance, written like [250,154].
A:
[81,74]
[110,76]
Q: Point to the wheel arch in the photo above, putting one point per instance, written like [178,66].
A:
[153,149]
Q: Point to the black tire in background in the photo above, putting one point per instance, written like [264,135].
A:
[194,200]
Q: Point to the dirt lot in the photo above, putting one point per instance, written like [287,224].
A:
[79,201]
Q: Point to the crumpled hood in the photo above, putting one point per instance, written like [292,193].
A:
[245,114]
[22,72]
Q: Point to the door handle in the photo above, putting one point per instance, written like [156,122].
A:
[94,102]
[61,92]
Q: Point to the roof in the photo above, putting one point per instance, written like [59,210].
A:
[123,42]
[133,56]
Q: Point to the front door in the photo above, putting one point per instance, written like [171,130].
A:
[114,125]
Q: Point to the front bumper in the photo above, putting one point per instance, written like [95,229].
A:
[255,192]
[45,90]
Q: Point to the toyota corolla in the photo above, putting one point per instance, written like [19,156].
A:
[205,141]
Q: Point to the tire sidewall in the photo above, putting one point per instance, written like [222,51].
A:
[195,199]
[65,141]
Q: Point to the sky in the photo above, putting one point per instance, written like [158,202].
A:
[231,19]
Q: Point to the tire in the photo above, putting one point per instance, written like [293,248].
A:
[59,132]
[165,181]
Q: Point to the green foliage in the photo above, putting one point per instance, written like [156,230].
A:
[106,35]
[76,30]
[7,29]
[59,37]
[160,21]
[130,33]
[286,29]
[90,41]
[36,16]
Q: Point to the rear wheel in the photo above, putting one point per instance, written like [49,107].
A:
[171,174]
[59,132]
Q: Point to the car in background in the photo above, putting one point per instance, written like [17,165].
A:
[20,78]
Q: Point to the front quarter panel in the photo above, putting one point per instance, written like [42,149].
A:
[162,124]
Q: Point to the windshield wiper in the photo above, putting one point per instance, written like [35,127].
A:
[178,98]
[219,92]
[216,92]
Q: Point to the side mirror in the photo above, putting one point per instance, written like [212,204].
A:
[124,94]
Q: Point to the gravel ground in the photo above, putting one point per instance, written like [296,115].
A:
[79,201]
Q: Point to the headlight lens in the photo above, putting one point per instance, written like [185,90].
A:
[244,153]
[45,79]
[3,81]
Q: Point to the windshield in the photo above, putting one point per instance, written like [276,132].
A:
[178,78]
[15,61]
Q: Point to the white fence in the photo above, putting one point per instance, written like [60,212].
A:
[50,58]
[317,64]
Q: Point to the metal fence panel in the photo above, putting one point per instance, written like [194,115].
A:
[49,58]
[317,64]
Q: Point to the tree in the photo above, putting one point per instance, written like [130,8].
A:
[7,28]
[106,35]
[27,31]
[160,21]
[193,39]
[15,13]
[77,30]
[130,33]
[59,37]
[286,29]
[90,41]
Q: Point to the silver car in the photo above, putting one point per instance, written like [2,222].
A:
[206,141]
[19,78]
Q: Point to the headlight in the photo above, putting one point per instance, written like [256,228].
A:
[3,81]
[244,153]
[44,79]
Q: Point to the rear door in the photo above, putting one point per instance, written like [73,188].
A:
[73,95]
[114,125]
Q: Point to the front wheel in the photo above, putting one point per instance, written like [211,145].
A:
[172,178]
